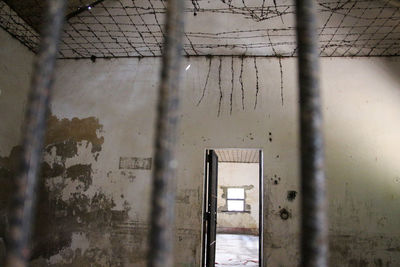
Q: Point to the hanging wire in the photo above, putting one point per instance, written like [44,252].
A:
[134,28]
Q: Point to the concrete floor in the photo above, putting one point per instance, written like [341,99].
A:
[236,250]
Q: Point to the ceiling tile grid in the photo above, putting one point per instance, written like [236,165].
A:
[17,27]
[239,155]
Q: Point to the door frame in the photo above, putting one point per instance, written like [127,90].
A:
[261,209]
[205,204]
[260,212]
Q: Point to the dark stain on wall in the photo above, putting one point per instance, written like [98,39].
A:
[291,195]
[8,166]
[345,250]
[59,215]
[358,263]
[82,173]
[129,175]
[250,136]
[57,220]
[64,134]
[284,214]
[52,171]
[276,179]
[65,149]
[378,262]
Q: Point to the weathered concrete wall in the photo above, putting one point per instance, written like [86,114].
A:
[242,175]
[15,72]
[97,176]
[361,105]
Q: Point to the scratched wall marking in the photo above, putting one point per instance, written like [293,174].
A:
[135,163]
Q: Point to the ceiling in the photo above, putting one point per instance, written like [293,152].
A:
[238,155]
[128,28]
[31,11]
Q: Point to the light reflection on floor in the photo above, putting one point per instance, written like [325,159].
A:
[236,250]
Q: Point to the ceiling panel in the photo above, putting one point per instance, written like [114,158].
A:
[238,155]
[31,11]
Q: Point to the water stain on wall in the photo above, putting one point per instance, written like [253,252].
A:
[82,173]
[61,213]
[284,214]
[8,165]
[344,250]
[64,135]
[291,195]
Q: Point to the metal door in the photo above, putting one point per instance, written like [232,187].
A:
[211,213]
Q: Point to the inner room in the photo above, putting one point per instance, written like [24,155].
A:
[238,217]
[239,135]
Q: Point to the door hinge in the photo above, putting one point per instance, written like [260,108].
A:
[207,216]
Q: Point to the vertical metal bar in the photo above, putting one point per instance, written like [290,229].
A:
[165,164]
[23,202]
[314,242]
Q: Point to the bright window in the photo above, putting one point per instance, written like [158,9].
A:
[235,199]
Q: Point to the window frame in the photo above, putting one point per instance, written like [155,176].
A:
[243,210]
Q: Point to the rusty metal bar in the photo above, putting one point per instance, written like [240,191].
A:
[23,202]
[314,241]
[165,164]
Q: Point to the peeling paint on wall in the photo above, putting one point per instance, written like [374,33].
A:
[65,134]
[68,205]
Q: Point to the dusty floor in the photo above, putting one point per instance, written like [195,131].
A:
[236,250]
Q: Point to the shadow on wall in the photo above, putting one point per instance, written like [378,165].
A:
[363,199]
[363,174]
[390,67]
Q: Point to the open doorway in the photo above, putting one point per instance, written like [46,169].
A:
[233,219]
